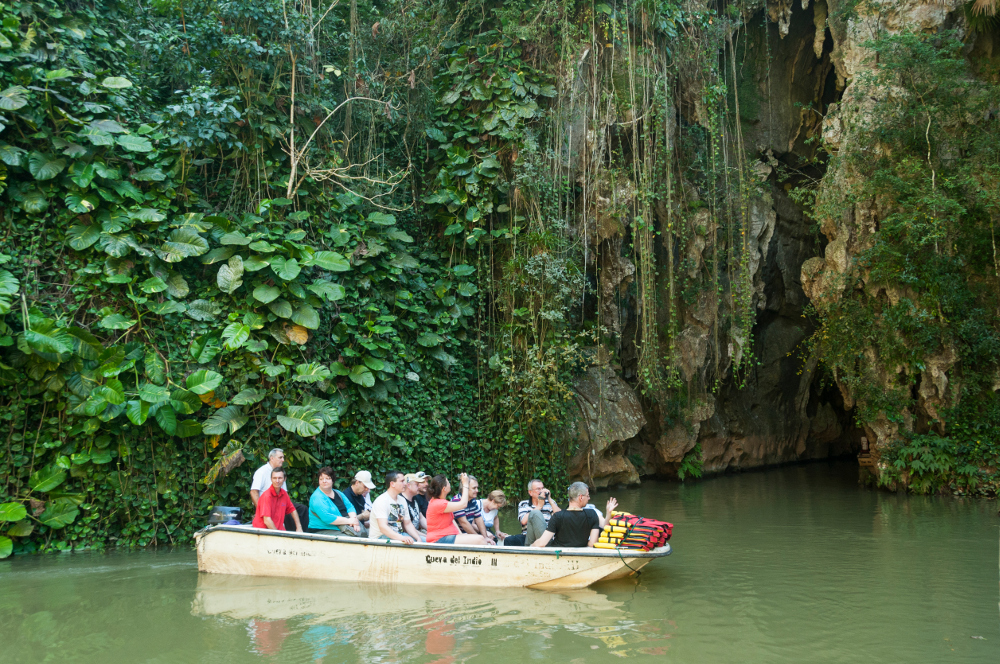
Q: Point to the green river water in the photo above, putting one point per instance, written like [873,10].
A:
[796,564]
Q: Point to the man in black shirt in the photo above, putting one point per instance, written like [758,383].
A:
[421,498]
[573,526]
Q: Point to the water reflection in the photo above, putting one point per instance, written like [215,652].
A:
[379,623]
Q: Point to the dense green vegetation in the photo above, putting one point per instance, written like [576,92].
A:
[923,169]
[367,233]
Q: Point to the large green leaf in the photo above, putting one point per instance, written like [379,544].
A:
[45,166]
[429,339]
[229,418]
[6,547]
[362,375]
[167,419]
[183,243]
[185,402]
[463,270]
[203,310]
[301,420]
[205,348]
[266,294]
[134,143]
[21,529]
[235,335]
[154,393]
[166,307]
[47,340]
[285,269]
[153,285]
[326,410]
[177,286]
[280,308]
[47,478]
[59,513]
[306,316]
[12,156]
[249,396]
[156,368]
[381,219]
[13,98]
[81,236]
[12,512]
[116,322]
[85,345]
[230,276]
[331,260]
[112,391]
[311,373]
[188,428]
[116,82]
[203,381]
[328,290]
[137,412]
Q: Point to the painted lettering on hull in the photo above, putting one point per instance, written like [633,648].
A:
[458,561]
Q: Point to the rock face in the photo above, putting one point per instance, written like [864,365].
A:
[608,414]
[794,69]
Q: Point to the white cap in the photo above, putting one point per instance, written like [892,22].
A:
[365,478]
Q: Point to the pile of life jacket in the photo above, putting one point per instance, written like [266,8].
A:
[628,531]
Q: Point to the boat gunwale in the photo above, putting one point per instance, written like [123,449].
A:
[583,552]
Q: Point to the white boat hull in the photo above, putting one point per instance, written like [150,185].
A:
[256,552]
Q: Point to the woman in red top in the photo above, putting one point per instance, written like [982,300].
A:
[441,526]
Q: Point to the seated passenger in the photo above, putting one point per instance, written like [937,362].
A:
[330,512]
[274,504]
[470,519]
[421,497]
[390,517]
[534,515]
[575,526]
[441,526]
[410,495]
[492,505]
[358,493]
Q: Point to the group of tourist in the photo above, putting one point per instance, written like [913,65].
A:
[416,508]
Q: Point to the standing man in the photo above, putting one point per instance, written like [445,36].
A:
[534,515]
[358,492]
[274,505]
[410,494]
[390,517]
[262,480]
[470,519]
[576,527]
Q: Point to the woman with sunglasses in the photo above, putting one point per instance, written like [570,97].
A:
[441,527]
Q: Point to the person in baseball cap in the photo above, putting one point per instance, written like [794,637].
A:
[421,478]
[358,494]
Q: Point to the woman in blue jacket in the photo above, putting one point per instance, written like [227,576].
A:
[330,513]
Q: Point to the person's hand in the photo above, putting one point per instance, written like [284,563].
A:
[298,529]
[353,522]
[502,535]
[407,539]
[612,504]
[464,479]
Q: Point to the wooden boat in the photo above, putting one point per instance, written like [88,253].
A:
[258,552]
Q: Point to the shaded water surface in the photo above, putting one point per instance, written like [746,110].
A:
[789,565]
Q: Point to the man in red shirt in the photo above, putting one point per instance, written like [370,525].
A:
[274,504]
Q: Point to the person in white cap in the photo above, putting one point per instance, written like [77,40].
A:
[358,494]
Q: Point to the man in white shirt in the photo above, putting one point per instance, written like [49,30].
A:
[390,517]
